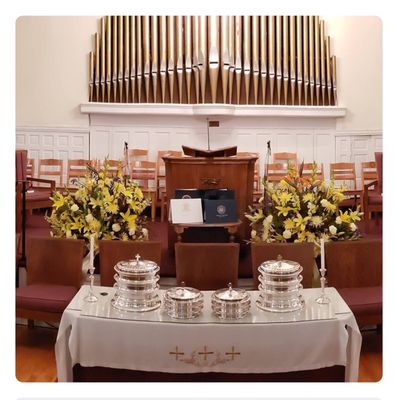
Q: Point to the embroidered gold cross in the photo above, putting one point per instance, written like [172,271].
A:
[232,353]
[176,353]
[205,352]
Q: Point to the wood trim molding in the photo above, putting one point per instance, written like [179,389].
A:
[213,110]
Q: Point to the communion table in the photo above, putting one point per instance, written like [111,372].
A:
[316,337]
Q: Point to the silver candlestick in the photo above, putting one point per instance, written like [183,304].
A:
[91,297]
[323,299]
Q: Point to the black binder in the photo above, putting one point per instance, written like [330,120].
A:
[188,194]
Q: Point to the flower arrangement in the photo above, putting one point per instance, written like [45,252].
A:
[301,209]
[103,207]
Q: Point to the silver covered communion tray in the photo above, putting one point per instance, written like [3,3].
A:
[280,286]
[230,303]
[136,285]
[183,302]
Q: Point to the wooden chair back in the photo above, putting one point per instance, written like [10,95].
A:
[344,172]
[30,168]
[275,172]
[372,193]
[113,251]
[308,170]
[54,261]
[285,158]
[114,166]
[76,170]
[354,263]
[51,167]
[303,253]
[145,173]
[368,172]
[379,169]
[21,162]
[137,155]
[207,266]
[35,199]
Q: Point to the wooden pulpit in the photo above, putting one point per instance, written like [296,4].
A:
[236,173]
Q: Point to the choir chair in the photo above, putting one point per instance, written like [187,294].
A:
[54,275]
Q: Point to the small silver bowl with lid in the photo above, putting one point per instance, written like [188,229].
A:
[136,285]
[230,303]
[280,286]
[183,302]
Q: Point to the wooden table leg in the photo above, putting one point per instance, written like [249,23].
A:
[179,231]
[231,231]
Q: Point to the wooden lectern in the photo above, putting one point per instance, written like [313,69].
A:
[236,173]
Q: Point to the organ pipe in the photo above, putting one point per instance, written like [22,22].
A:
[198,59]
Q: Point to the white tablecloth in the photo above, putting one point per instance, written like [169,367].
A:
[152,343]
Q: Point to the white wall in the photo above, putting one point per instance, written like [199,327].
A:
[52,70]
[357,44]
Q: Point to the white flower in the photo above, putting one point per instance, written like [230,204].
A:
[131,232]
[316,221]
[253,234]
[338,221]
[324,203]
[287,234]
[145,232]
[332,229]
[353,227]
[89,218]
[267,221]
[75,207]
[116,227]
[68,234]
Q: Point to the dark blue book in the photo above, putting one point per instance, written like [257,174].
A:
[220,211]
[188,194]
[216,194]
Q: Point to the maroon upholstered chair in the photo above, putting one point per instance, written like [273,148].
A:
[354,268]
[303,253]
[207,266]
[54,275]
[372,196]
[113,251]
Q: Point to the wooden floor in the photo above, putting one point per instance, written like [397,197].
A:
[35,359]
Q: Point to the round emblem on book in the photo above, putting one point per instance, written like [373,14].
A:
[186,196]
[221,209]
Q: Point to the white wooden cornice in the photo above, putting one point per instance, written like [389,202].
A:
[211,110]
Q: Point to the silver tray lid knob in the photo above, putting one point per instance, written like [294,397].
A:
[230,294]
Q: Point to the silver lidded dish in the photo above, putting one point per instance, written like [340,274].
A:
[230,303]
[183,302]
[136,285]
[280,286]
